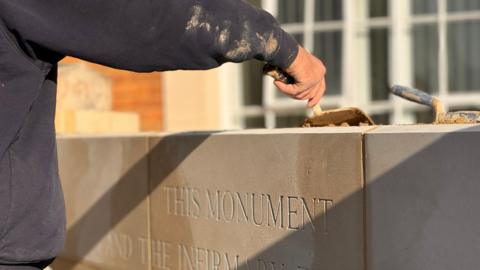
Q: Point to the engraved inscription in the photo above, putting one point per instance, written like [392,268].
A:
[120,247]
[183,201]
[117,245]
[201,258]
[290,212]
[166,255]
[161,254]
[143,247]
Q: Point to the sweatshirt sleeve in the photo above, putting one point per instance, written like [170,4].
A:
[151,35]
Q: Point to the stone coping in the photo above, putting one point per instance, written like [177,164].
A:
[419,128]
[382,197]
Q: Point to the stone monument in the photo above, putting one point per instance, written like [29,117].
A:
[393,197]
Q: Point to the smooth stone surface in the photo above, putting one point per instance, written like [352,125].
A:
[422,197]
[105,181]
[261,199]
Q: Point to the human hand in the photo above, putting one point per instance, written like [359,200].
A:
[309,74]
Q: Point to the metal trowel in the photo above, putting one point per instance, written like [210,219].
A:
[338,117]
[441,117]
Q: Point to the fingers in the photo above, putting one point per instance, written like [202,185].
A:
[309,73]
[318,94]
[297,91]
[306,91]
[302,93]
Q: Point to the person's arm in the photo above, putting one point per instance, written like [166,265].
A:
[152,35]
[156,35]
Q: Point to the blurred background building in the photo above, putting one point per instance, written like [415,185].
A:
[367,45]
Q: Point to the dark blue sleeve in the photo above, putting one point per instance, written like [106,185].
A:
[151,35]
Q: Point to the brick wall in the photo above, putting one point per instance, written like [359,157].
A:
[135,92]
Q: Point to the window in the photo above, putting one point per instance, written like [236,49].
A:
[446,58]
[368,45]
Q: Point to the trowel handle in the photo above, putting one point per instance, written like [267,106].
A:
[413,94]
[278,74]
[420,97]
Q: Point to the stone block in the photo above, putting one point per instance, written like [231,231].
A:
[105,182]
[422,197]
[280,199]
[96,122]
[80,87]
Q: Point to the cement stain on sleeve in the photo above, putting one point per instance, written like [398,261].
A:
[269,44]
[242,47]
[198,20]
[266,42]
[223,36]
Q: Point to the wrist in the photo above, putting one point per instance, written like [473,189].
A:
[287,52]
[299,60]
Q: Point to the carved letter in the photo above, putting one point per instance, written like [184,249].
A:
[184,255]
[230,266]
[254,209]
[169,205]
[228,197]
[186,196]
[123,244]
[277,213]
[290,212]
[213,205]
[243,205]
[215,260]
[196,204]
[143,249]
[306,211]
[261,264]
[326,204]
[179,202]
[161,254]
[199,258]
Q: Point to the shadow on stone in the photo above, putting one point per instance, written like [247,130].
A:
[125,193]
[421,207]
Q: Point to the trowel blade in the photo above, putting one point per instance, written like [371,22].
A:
[344,116]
